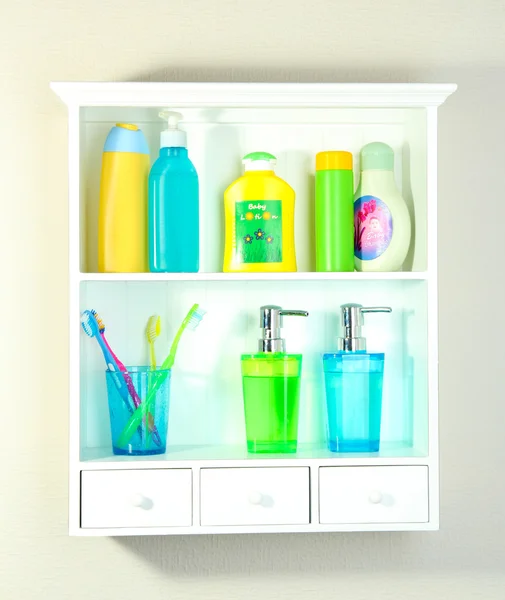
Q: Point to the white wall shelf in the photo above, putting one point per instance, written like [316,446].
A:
[206,482]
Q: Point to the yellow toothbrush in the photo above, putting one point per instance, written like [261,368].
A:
[153,330]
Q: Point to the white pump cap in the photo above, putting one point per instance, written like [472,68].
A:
[172,137]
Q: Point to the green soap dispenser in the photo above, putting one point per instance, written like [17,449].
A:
[271,385]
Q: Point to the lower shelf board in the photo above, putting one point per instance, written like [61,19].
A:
[390,454]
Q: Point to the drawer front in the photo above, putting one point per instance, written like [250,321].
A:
[373,494]
[136,498]
[255,496]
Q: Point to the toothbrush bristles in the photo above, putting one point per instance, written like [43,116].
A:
[196,318]
[101,325]
[153,328]
[85,324]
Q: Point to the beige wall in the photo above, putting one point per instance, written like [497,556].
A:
[274,40]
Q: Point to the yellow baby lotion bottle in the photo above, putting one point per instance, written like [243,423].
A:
[259,219]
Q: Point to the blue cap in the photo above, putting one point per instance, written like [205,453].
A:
[125,137]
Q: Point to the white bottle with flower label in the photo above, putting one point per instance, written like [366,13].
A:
[382,230]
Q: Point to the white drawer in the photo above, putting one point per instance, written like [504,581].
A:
[255,496]
[136,498]
[373,494]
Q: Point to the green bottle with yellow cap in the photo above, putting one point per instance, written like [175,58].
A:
[334,209]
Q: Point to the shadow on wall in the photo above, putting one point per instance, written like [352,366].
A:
[281,75]
[472,518]
[249,554]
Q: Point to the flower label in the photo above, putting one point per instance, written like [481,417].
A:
[258,231]
[373,227]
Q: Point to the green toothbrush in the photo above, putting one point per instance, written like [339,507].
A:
[192,320]
[153,330]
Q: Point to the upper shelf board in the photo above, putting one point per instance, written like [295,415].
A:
[296,276]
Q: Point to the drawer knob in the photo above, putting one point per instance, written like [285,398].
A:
[138,500]
[375,497]
[255,498]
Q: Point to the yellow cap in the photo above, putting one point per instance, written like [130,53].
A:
[333,159]
[129,126]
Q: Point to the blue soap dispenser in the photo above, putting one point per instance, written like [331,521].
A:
[353,381]
[173,211]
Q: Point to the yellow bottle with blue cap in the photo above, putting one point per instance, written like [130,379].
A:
[259,219]
[122,218]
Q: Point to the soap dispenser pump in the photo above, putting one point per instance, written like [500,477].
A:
[271,324]
[173,207]
[271,387]
[353,382]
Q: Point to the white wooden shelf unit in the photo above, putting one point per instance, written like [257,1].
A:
[206,482]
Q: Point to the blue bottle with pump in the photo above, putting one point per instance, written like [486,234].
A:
[173,211]
[353,381]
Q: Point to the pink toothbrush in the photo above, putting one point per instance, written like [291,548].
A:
[129,383]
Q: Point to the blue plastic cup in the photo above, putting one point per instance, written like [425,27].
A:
[151,435]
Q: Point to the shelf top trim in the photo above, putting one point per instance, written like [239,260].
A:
[345,95]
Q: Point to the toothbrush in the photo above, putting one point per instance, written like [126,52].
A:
[91,328]
[153,330]
[191,320]
[127,377]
